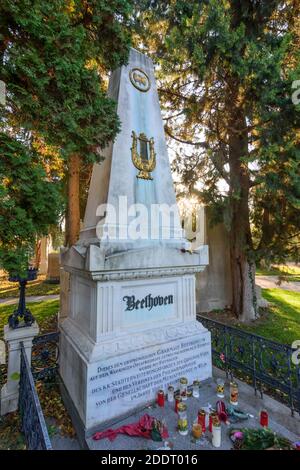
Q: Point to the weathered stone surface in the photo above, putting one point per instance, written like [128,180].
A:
[131,319]
[280,421]
[14,338]
[213,285]
[53,274]
[110,386]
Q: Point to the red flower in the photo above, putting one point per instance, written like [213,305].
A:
[222,357]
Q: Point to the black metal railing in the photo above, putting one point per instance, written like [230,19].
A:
[44,358]
[32,418]
[266,364]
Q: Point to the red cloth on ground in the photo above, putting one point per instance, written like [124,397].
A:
[141,428]
[221,410]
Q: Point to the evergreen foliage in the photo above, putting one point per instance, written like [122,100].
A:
[227,71]
[55,57]
[29,202]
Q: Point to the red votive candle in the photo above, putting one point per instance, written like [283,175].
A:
[178,400]
[264,418]
[201,419]
[161,398]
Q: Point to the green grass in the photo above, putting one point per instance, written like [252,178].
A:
[45,313]
[37,287]
[282,320]
[290,273]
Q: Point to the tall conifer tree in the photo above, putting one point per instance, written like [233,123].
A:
[54,58]
[227,74]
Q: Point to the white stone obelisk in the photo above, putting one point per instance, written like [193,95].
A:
[139,112]
[131,324]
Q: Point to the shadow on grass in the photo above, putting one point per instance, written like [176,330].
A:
[37,287]
[287,301]
[45,313]
[282,320]
[285,273]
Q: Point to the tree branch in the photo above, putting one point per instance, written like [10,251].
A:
[188,142]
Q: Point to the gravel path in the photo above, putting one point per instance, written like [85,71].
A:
[31,298]
[271,282]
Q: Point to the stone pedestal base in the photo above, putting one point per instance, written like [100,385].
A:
[131,329]
[14,338]
[117,381]
[9,400]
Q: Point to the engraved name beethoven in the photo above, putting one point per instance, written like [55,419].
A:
[147,302]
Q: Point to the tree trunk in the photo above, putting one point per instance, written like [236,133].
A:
[73,205]
[242,265]
[266,232]
[37,254]
[242,273]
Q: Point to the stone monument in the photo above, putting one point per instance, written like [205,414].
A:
[213,286]
[131,326]
[53,271]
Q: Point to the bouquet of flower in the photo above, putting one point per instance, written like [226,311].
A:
[258,439]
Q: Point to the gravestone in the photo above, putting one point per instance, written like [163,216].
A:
[131,327]
[44,251]
[213,286]
[53,271]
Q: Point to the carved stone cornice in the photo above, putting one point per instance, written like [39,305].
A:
[144,273]
[124,275]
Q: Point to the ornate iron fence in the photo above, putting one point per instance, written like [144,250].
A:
[32,418]
[265,363]
[44,358]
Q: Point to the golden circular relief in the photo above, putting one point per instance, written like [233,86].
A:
[139,79]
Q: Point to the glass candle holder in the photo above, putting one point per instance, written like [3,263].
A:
[201,419]
[161,398]
[182,420]
[196,385]
[234,393]
[170,393]
[216,433]
[197,430]
[264,418]
[220,388]
[213,415]
[178,400]
[183,382]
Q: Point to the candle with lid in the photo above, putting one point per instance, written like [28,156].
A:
[196,385]
[212,415]
[182,419]
[183,382]
[234,393]
[178,400]
[264,418]
[197,430]
[160,398]
[216,432]
[170,393]
[220,388]
[201,419]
